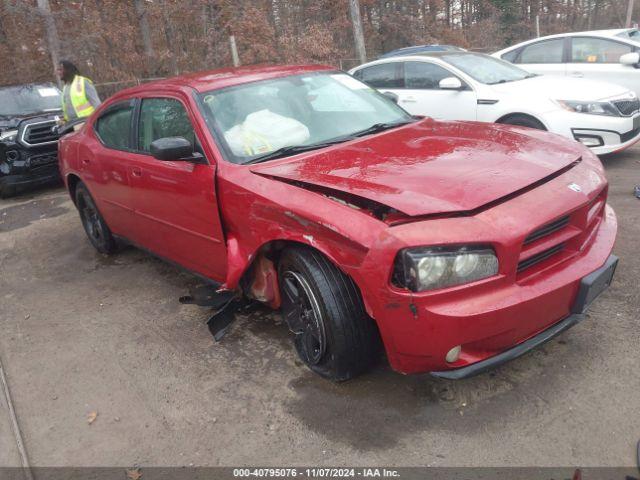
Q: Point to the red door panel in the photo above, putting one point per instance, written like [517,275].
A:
[176,213]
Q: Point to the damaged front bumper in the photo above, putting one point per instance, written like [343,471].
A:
[590,287]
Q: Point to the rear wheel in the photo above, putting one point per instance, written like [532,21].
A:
[333,335]
[94,225]
[523,121]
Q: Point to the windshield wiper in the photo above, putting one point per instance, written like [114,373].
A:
[380,127]
[292,149]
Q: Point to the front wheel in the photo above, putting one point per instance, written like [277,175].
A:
[523,121]
[333,335]
[94,225]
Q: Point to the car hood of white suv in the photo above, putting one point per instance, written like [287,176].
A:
[562,88]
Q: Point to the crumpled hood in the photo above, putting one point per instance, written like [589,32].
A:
[433,167]
[562,88]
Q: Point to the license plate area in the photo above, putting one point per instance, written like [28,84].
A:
[594,284]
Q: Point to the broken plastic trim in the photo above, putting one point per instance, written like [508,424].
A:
[225,303]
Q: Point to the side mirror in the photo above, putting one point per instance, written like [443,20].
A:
[172,149]
[391,96]
[450,83]
[632,59]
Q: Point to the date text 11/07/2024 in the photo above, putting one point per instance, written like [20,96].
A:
[316,472]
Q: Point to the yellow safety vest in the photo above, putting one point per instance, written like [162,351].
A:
[79,99]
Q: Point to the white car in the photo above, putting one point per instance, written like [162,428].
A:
[608,55]
[473,86]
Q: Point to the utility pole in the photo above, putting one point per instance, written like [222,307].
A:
[53,42]
[234,51]
[627,24]
[358,35]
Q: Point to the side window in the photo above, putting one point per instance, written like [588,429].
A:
[549,51]
[511,56]
[381,76]
[160,118]
[422,75]
[597,50]
[114,127]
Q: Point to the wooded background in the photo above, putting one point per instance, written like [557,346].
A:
[119,42]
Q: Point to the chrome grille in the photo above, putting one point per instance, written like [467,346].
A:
[627,107]
[39,133]
[547,229]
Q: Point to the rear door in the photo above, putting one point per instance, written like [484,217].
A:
[385,77]
[422,94]
[599,59]
[105,165]
[546,57]
[176,201]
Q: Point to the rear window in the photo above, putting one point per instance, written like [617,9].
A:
[549,51]
[114,127]
[381,76]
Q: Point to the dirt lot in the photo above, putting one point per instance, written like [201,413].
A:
[84,333]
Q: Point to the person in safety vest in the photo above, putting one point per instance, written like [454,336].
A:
[79,96]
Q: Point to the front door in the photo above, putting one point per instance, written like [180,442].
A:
[599,59]
[176,201]
[422,94]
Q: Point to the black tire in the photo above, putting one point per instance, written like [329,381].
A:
[523,121]
[334,336]
[7,192]
[94,225]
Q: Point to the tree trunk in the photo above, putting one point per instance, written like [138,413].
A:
[627,23]
[358,35]
[53,42]
[145,33]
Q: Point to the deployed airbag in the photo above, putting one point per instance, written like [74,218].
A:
[263,132]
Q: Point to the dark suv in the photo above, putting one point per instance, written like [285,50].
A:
[28,136]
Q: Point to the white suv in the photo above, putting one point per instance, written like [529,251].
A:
[608,55]
[473,86]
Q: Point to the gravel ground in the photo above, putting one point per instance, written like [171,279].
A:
[85,334]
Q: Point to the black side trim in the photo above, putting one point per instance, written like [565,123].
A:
[515,352]
[484,101]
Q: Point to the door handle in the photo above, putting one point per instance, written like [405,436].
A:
[577,74]
[136,172]
[408,100]
[86,161]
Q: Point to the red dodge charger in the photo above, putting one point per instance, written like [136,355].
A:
[455,246]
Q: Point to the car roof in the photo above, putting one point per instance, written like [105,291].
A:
[420,49]
[226,77]
[611,33]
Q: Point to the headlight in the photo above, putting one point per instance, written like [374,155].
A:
[595,108]
[8,134]
[430,268]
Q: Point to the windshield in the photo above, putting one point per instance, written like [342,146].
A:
[486,69]
[28,99]
[301,111]
[632,34]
